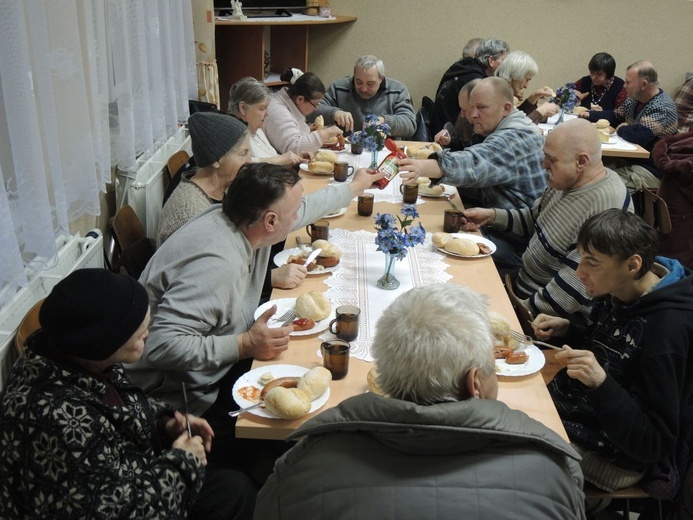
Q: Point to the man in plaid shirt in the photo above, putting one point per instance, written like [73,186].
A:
[648,114]
[504,171]
[684,104]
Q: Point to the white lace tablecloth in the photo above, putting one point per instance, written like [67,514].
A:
[620,144]
[361,266]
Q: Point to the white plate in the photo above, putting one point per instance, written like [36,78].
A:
[338,213]
[285,304]
[475,238]
[283,256]
[447,190]
[534,364]
[304,166]
[251,379]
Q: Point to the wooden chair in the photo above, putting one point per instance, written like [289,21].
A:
[176,161]
[28,325]
[631,493]
[656,212]
[127,227]
[523,313]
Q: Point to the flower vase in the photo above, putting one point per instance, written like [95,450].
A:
[374,159]
[560,116]
[388,281]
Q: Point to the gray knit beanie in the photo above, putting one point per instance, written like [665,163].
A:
[213,135]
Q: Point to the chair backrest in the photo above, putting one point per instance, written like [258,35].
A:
[524,315]
[127,227]
[656,212]
[29,324]
[176,161]
[423,120]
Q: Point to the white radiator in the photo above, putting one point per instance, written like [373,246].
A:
[144,188]
[74,252]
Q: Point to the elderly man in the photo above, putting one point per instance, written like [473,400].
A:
[79,440]
[579,187]
[368,92]
[629,379]
[488,57]
[440,445]
[505,170]
[205,281]
[648,114]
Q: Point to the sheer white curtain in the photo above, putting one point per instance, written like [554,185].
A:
[84,85]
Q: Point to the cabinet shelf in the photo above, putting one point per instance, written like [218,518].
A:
[241,46]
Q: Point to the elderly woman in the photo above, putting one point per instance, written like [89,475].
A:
[220,145]
[286,125]
[518,69]
[601,90]
[439,445]
[79,440]
[249,100]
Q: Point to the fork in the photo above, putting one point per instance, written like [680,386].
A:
[525,340]
[288,317]
[288,314]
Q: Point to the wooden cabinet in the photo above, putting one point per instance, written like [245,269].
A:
[241,46]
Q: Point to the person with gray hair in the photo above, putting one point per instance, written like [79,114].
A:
[489,55]
[249,100]
[518,69]
[418,451]
[470,47]
[368,92]
[648,115]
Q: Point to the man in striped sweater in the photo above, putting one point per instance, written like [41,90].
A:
[579,187]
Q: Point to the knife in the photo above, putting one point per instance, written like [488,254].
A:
[312,256]
[185,400]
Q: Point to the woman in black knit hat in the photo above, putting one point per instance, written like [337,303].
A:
[79,440]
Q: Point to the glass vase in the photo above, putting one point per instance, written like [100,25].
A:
[374,159]
[388,281]
[560,116]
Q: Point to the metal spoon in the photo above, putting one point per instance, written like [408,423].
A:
[448,197]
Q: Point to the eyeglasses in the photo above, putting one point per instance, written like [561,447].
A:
[314,105]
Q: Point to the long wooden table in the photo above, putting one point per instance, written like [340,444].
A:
[527,393]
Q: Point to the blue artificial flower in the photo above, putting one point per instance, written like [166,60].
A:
[394,239]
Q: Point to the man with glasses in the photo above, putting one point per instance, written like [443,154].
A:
[368,92]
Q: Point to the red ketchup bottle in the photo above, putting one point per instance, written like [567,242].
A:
[389,165]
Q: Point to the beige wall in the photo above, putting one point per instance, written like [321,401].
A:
[418,40]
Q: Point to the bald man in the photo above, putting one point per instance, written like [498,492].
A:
[648,115]
[504,170]
[579,187]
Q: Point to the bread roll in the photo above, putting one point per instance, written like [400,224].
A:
[579,110]
[435,191]
[462,246]
[328,249]
[320,166]
[313,305]
[326,156]
[315,382]
[423,180]
[602,123]
[424,152]
[287,403]
[319,123]
[439,239]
